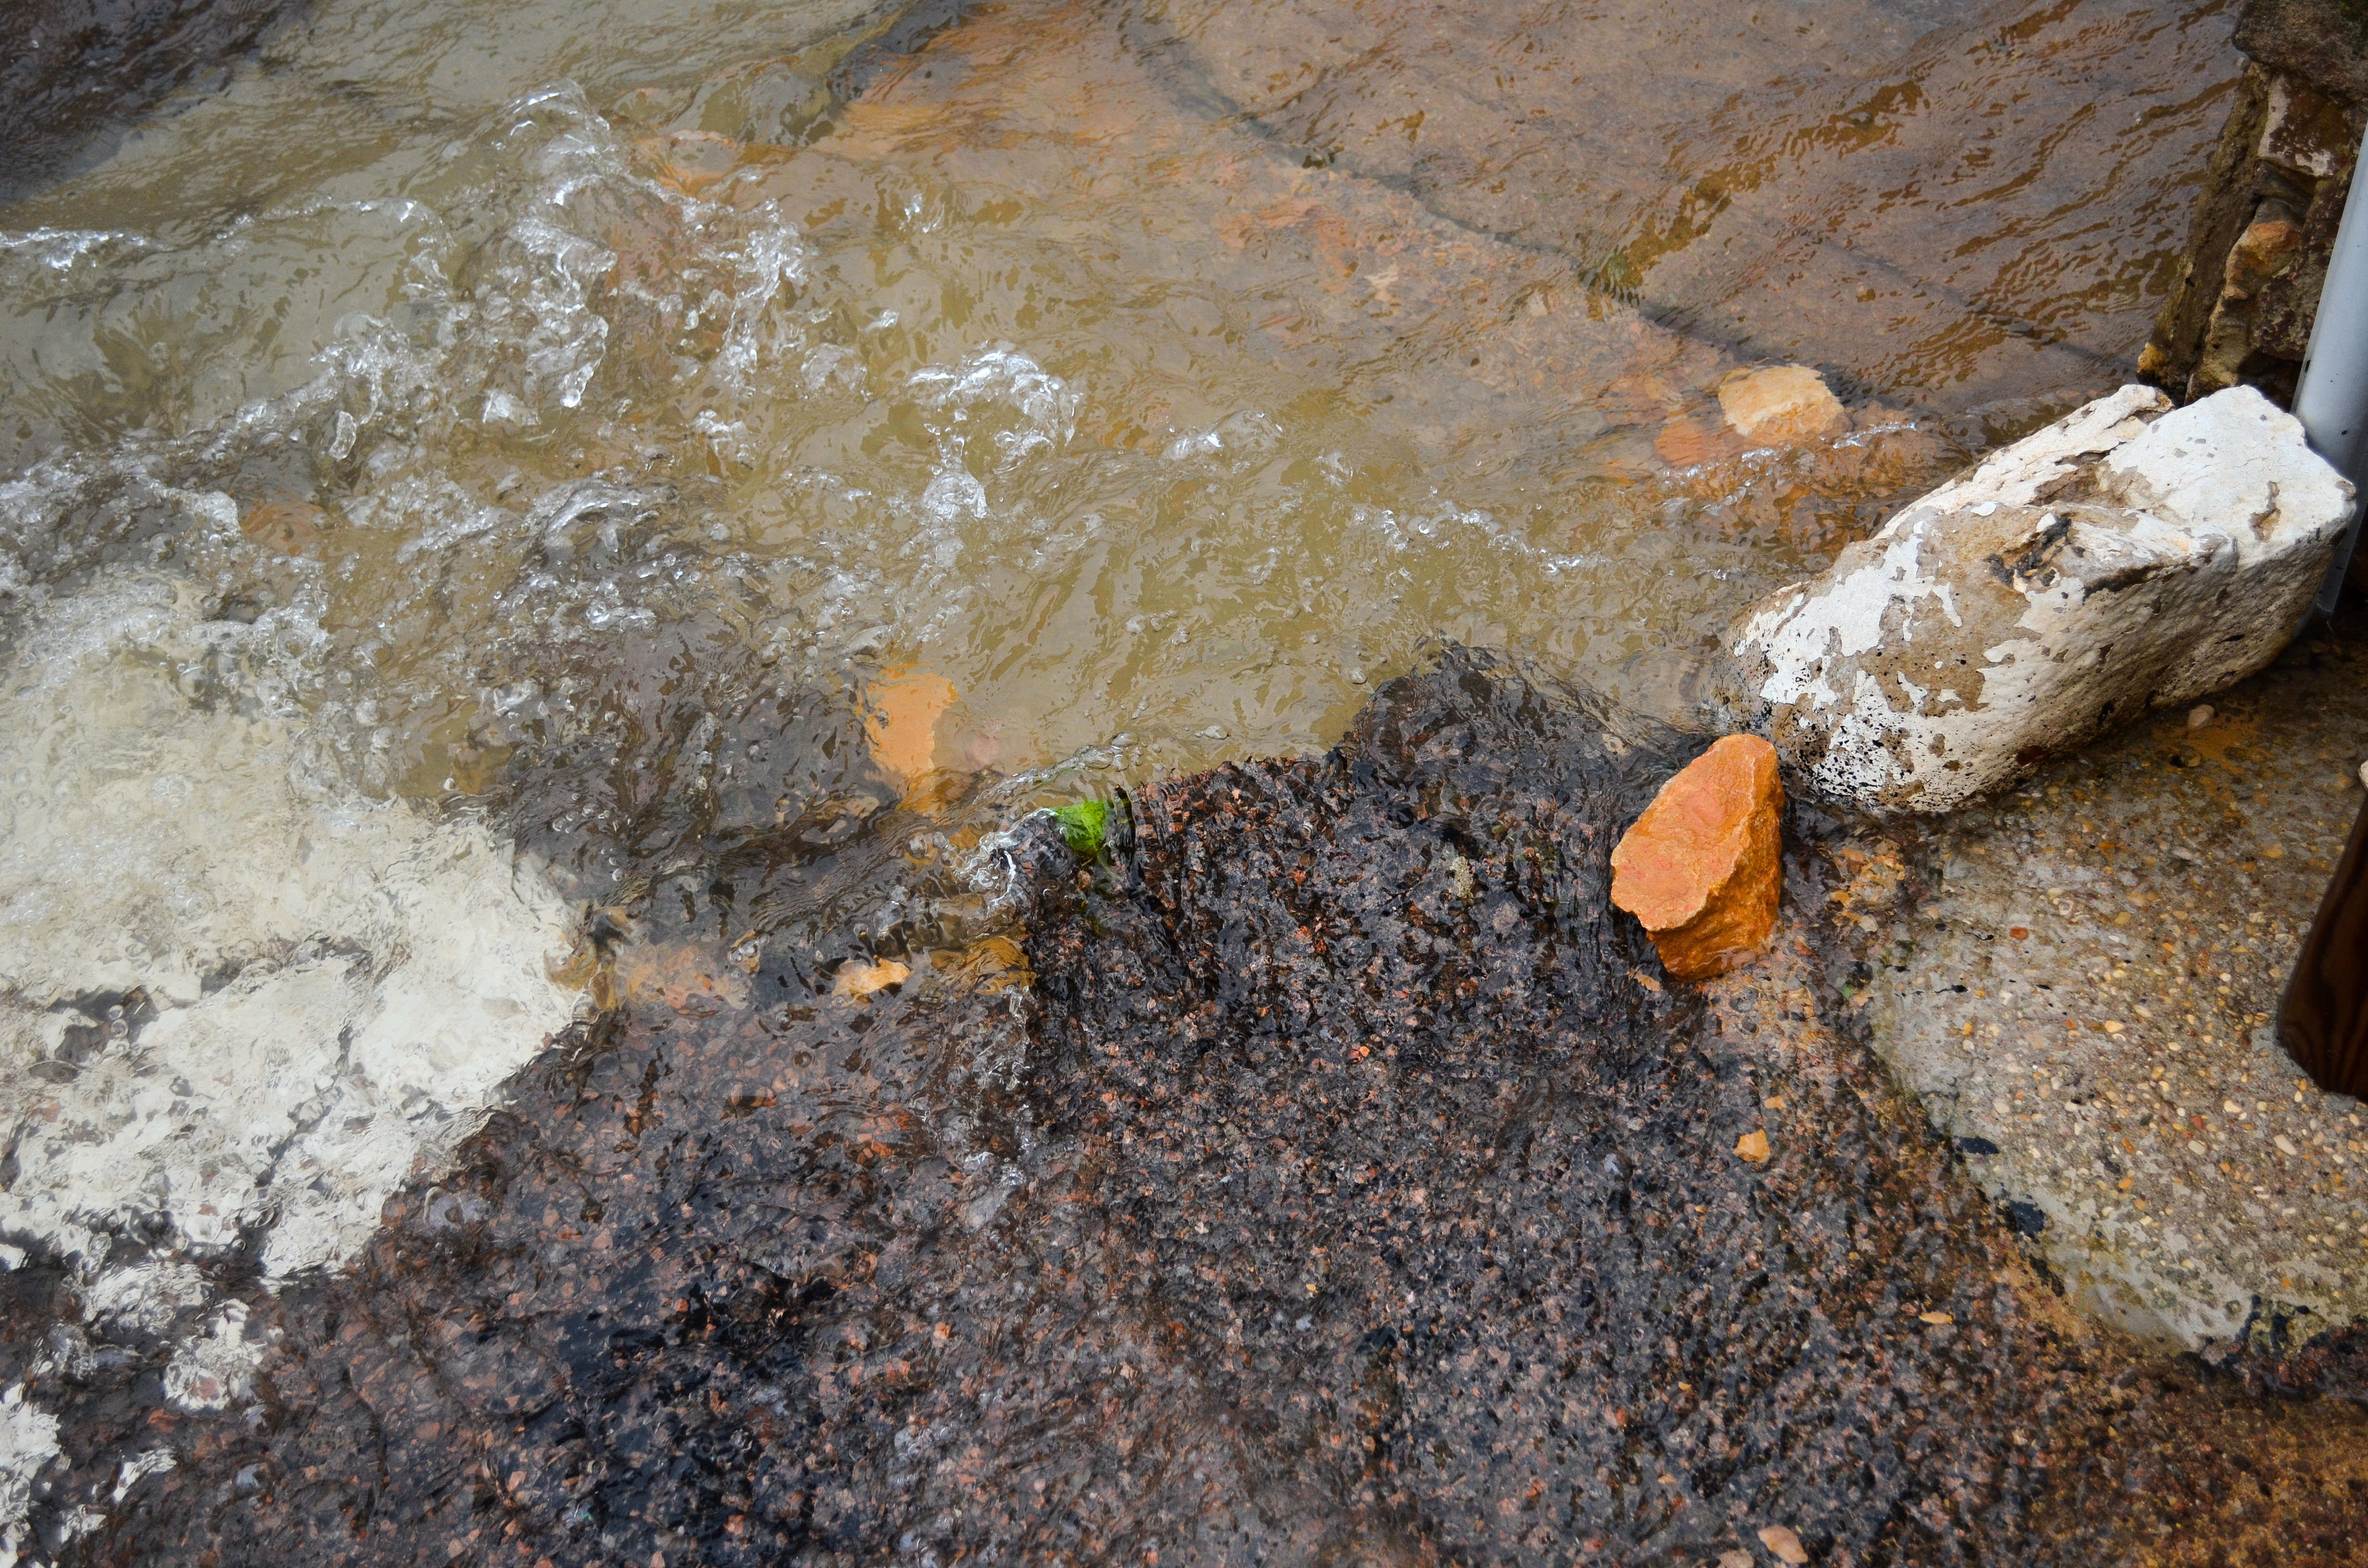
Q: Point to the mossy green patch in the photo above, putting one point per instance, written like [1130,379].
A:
[1085,827]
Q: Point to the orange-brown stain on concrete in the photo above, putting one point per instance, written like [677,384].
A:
[1702,868]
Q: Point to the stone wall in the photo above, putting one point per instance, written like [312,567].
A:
[2265,224]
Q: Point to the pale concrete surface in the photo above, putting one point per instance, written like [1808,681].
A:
[2080,977]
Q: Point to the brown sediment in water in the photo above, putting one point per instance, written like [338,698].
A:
[1439,416]
[1853,187]
[1341,1193]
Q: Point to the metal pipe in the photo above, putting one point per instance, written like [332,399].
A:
[2322,1019]
[2333,400]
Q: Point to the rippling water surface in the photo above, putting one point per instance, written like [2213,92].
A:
[1140,371]
[484,464]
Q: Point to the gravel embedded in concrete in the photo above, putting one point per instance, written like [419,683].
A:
[2080,986]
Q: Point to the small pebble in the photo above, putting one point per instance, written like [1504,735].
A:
[1784,1543]
[2199,716]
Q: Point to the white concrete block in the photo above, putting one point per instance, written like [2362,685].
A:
[2127,557]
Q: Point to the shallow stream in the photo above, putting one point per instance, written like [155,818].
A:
[510,513]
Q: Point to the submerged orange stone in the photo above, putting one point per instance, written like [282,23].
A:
[1704,866]
[901,709]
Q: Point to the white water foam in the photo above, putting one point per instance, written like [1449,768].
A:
[28,1441]
[239,1003]
[337,984]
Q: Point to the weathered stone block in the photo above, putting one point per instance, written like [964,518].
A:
[2124,558]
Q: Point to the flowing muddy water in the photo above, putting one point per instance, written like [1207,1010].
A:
[518,519]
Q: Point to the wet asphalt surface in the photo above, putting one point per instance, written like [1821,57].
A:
[1345,1188]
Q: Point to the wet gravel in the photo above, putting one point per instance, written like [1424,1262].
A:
[1347,1188]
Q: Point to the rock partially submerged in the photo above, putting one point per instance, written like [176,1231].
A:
[1703,867]
[1780,402]
[2125,558]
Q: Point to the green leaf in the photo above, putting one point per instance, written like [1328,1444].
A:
[1085,827]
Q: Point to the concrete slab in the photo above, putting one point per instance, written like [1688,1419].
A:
[2078,984]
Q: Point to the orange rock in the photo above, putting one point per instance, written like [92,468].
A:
[290,527]
[689,161]
[903,706]
[687,977]
[1683,443]
[857,977]
[2257,256]
[991,964]
[1703,867]
[1781,403]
